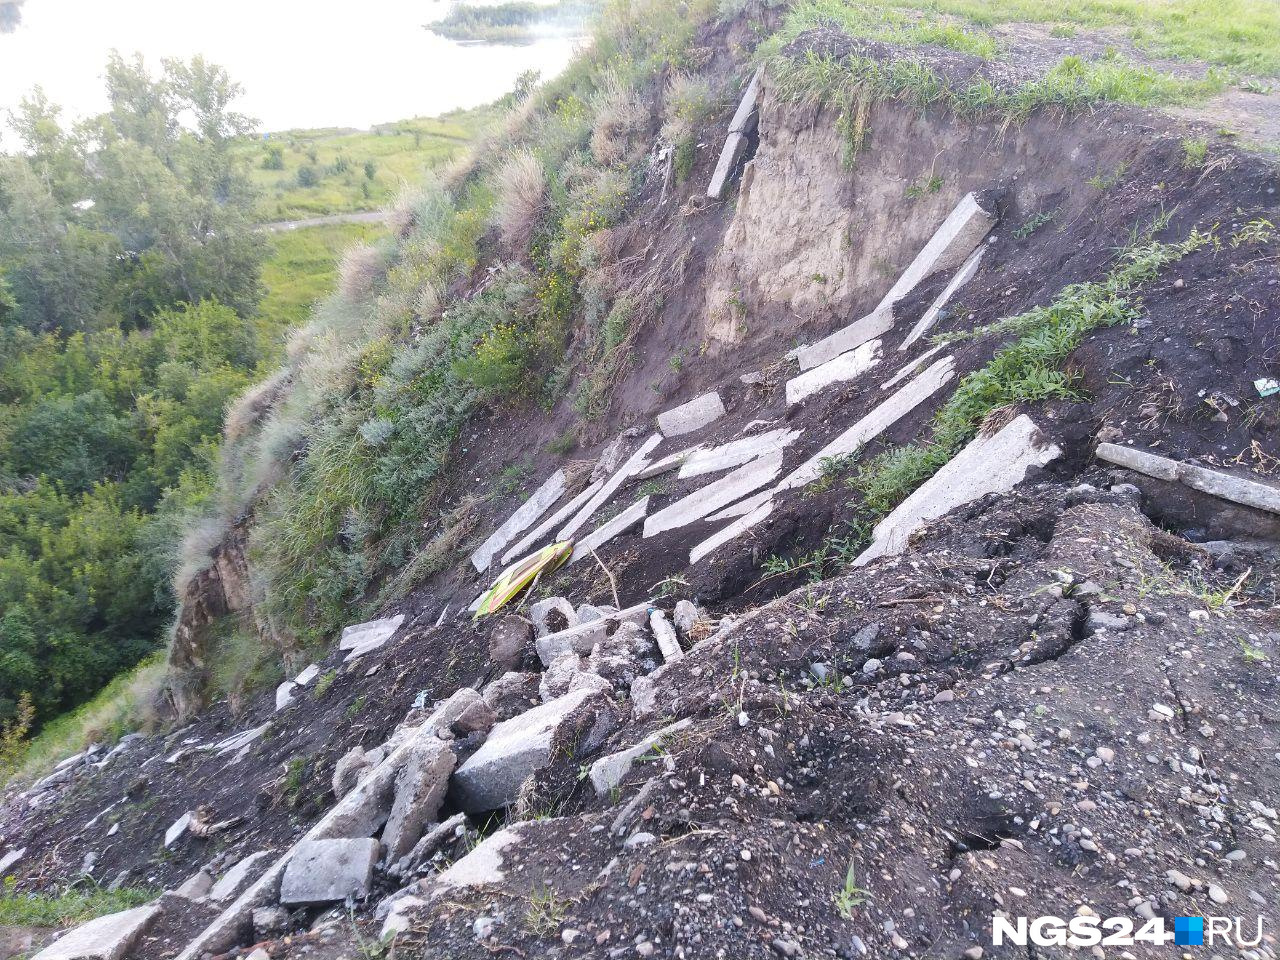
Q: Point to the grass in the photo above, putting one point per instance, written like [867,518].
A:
[74,905]
[545,911]
[850,896]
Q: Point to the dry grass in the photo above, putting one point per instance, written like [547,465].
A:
[687,103]
[521,188]
[249,409]
[358,273]
[619,114]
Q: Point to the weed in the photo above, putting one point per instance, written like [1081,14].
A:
[672,586]
[1034,223]
[1105,181]
[294,782]
[354,707]
[1194,153]
[324,682]
[850,896]
[917,190]
[1252,655]
[1257,231]
[545,911]
[564,444]
[655,487]
[83,900]
[512,478]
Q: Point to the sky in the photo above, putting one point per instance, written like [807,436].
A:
[302,65]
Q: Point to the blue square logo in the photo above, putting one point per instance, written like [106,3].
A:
[1188,931]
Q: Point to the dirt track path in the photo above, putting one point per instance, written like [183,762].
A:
[366,216]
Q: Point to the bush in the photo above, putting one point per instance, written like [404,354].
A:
[307,176]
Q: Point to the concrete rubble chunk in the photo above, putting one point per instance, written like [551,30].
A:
[553,521]
[889,412]
[231,883]
[348,770]
[685,616]
[910,369]
[510,642]
[432,842]
[512,693]
[665,634]
[742,507]
[177,829]
[557,677]
[479,868]
[366,637]
[327,871]
[421,785]
[284,694]
[720,493]
[637,461]
[583,638]
[691,416]
[107,938]
[989,464]
[491,777]
[668,463]
[608,772]
[551,490]
[737,452]
[307,675]
[619,525]
[1248,493]
[10,858]
[547,616]
[195,886]
[962,276]
[741,127]
[965,227]
[847,366]
[731,532]
[863,330]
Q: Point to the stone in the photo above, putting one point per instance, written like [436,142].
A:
[889,412]
[307,675]
[238,741]
[233,882]
[589,613]
[107,938]
[1249,493]
[269,921]
[476,717]
[374,632]
[1217,894]
[553,521]
[665,634]
[691,416]
[398,918]
[551,490]
[491,777]
[432,842]
[284,694]
[839,369]
[557,677]
[911,368]
[177,829]
[351,766]
[608,772]
[511,643]
[696,505]
[195,886]
[962,276]
[637,461]
[482,867]
[583,638]
[420,788]
[10,858]
[327,871]
[685,616]
[553,615]
[988,464]
[1099,620]
[861,331]
[618,658]
[737,452]
[731,532]
[512,693]
[668,463]
[619,525]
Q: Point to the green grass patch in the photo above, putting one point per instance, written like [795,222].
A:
[74,905]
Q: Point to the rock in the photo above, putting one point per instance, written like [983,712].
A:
[483,866]
[583,638]
[10,858]
[512,693]
[476,717]
[366,637]
[351,766]
[196,886]
[691,416]
[1217,894]
[233,882]
[177,829]
[432,841]
[326,871]
[421,785]
[685,616]
[511,643]
[269,921]
[639,839]
[555,681]
[617,658]
[665,634]
[608,772]
[1100,620]
[106,938]
[398,918]
[553,615]
[284,694]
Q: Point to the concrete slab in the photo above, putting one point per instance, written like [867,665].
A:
[284,694]
[737,452]
[619,525]
[965,227]
[533,508]
[930,316]
[421,785]
[637,461]
[482,867]
[735,145]
[848,366]
[307,675]
[665,634]
[691,416]
[326,871]
[911,368]
[720,493]
[581,639]
[10,858]
[375,631]
[106,938]
[608,772]
[873,325]
[731,532]
[991,464]
[231,883]
[742,121]
[889,412]
[177,829]
[668,463]
[1246,492]
[551,522]
[742,507]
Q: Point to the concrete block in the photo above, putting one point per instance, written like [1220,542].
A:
[533,508]
[873,325]
[284,694]
[307,675]
[421,785]
[546,615]
[930,316]
[691,416]
[482,867]
[736,453]
[107,938]
[911,368]
[326,871]
[742,507]
[848,366]
[583,638]
[720,493]
[1249,493]
[731,532]
[231,883]
[554,520]
[637,461]
[746,116]
[668,463]
[10,858]
[889,412]
[177,829]
[361,634]
[665,634]
[619,525]
[991,464]
[735,145]
[608,772]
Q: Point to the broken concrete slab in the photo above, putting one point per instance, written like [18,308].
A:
[668,463]
[238,741]
[731,532]
[432,841]
[911,368]
[619,525]
[743,121]
[665,634]
[637,461]
[747,478]
[847,366]
[741,127]
[548,493]
[889,412]
[195,886]
[421,785]
[177,829]
[931,315]
[735,145]
[873,325]
[736,452]
[989,464]
[691,416]
[479,868]
[547,615]
[491,777]
[327,871]
[231,883]
[965,227]
[307,675]
[10,858]
[1246,492]
[608,772]
[107,938]
[361,634]
[284,694]
[583,638]
[553,521]
[742,507]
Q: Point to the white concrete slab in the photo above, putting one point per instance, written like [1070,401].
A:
[668,463]
[735,145]
[307,675]
[965,227]
[910,368]
[691,416]
[619,525]
[326,871]
[991,464]
[553,521]
[533,508]
[873,325]
[848,366]
[177,829]
[106,938]
[607,772]
[637,461]
[720,493]
[742,507]
[10,858]
[1249,493]
[742,121]
[231,883]
[930,316]
[731,532]
[375,631]
[893,409]
[737,452]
